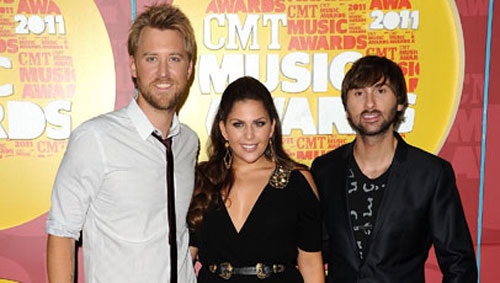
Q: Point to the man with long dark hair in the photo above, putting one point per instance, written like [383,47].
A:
[384,201]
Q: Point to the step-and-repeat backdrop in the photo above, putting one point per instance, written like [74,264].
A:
[63,62]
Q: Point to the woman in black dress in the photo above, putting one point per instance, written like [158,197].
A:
[254,214]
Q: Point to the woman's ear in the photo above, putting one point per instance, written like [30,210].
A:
[273,126]
[222,128]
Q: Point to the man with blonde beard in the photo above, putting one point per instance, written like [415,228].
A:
[117,181]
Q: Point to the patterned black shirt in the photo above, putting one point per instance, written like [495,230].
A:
[365,196]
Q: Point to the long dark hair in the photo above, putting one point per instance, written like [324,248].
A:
[212,177]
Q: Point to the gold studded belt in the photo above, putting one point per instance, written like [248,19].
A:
[225,270]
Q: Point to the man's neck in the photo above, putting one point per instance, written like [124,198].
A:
[161,119]
[374,154]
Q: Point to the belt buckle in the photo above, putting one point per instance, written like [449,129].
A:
[277,268]
[259,271]
[226,270]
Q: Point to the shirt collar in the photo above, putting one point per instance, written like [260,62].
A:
[142,124]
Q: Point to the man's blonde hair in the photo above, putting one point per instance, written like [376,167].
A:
[163,17]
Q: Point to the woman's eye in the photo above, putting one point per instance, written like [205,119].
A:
[260,123]
[237,124]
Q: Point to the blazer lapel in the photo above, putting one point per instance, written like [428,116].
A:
[342,174]
[397,177]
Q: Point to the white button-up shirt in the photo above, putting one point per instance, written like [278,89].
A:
[112,185]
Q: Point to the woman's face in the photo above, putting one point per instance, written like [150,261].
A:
[248,129]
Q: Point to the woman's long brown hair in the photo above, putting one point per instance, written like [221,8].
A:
[212,177]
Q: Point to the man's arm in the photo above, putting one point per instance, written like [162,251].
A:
[451,236]
[194,253]
[79,176]
[60,259]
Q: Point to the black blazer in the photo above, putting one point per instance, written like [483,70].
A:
[420,207]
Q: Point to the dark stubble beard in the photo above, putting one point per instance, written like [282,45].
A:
[386,123]
[149,97]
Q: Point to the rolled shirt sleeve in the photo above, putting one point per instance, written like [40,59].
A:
[78,179]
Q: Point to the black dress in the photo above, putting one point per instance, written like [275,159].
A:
[280,221]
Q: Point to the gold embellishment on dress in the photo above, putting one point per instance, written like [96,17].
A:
[280,177]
